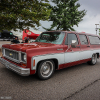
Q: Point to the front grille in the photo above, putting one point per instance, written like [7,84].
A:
[12,54]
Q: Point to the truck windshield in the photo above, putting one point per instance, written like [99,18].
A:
[51,37]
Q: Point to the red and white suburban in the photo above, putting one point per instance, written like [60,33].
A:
[52,50]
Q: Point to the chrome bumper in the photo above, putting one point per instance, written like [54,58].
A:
[15,68]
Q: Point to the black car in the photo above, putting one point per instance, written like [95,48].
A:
[6,35]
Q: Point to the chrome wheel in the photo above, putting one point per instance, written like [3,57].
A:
[94,59]
[46,69]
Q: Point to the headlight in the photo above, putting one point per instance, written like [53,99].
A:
[23,57]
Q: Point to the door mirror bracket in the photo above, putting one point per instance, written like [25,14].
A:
[73,44]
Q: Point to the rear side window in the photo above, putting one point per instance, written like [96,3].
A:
[94,40]
[69,39]
[83,39]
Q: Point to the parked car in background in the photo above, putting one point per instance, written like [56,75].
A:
[52,50]
[6,35]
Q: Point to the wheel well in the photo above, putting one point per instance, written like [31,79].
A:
[97,55]
[54,60]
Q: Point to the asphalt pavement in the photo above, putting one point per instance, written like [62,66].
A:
[81,82]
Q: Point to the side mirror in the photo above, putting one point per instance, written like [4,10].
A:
[73,44]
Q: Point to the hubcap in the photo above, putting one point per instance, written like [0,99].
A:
[46,69]
[94,58]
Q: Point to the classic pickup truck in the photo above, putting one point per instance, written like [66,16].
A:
[52,50]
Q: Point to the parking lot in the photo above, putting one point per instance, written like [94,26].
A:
[81,82]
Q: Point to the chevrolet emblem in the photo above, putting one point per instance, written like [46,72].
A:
[10,54]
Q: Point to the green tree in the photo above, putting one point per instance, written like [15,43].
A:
[65,14]
[20,14]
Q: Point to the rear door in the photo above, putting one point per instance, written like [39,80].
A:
[85,48]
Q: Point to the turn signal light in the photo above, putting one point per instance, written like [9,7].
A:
[33,62]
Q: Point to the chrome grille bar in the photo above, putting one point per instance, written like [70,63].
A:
[12,54]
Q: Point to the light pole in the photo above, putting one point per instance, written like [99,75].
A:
[96,28]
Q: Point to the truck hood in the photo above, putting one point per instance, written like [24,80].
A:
[23,47]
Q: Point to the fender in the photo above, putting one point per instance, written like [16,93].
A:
[38,58]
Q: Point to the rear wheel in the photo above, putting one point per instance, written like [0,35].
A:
[46,69]
[93,59]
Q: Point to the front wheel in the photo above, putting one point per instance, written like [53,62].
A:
[93,59]
[46,69]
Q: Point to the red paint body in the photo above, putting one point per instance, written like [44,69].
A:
[39,48]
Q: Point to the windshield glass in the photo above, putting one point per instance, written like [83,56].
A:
[51,37]
[11,33]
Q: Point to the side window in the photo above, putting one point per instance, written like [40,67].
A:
[94,40]
[69,39]
[83,39]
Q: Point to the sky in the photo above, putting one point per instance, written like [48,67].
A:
[91,18]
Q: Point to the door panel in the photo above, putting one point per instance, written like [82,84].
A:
[71,54]
[85,47]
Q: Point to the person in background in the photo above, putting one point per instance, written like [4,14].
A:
[15,41]
[23,41]
[27,39]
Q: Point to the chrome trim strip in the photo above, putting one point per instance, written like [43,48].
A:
[19,53]
[65,52]
[49,54]
[15,68]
